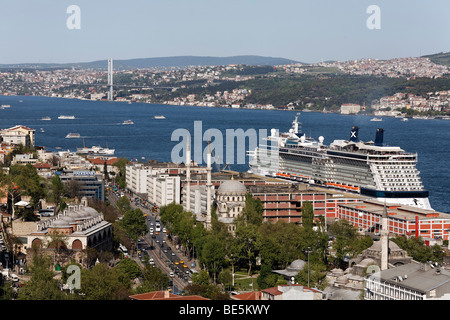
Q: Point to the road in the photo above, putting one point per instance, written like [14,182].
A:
[158,247]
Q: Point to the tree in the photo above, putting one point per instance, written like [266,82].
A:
[213,255]
[130,268]
[133,222]
[246,243]
[252,212]
[266,278]
[121,164]
[42,285]
[153,280]
[57,192]
[105,283]
[347,243]
[317,275]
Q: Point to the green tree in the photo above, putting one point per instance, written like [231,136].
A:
[105,283]
[133,222]
[153,280]
[130,268]
[213,255]
[317,275]
[266,278]
[42,285]
[57,192]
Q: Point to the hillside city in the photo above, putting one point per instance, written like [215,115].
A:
[135,230]
[200,85]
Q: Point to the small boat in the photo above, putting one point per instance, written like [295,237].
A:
[66,117]
[159,117]
[404,119]
[128,122]
[46,118]
[376,119]
[42,130]
[73,135]
[5,106]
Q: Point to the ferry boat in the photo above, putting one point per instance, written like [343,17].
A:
[73,135]
[66,117]
[96,150]
[128,122]
[387,173]
[46,118]
[159,117]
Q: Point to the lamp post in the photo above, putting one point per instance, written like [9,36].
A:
[308,251]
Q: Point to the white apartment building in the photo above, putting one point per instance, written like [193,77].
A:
[197,200]
[350,108]
[163,189]
[136,177]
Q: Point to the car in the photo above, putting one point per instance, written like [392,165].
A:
[171,274]
[173,253]
[177,262]
[165,250]
[181,261]
[151,261]
[164,230]
[184,266]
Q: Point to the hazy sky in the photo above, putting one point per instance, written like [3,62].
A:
[303,30]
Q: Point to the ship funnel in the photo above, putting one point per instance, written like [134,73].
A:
[354,134]
[379,137]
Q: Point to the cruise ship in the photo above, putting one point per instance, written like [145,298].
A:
[372,169]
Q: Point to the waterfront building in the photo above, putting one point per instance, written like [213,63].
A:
[366,216]
[350,108]
[284,201]
[19,135]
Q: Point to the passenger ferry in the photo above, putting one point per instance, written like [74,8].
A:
[73,135]
[367,168]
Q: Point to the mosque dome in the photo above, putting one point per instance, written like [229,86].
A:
[232,187]
[377,246]
[296,265]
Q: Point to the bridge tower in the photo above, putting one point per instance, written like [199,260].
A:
[110,80]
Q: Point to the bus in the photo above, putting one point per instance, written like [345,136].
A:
[124,250]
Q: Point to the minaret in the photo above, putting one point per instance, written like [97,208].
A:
[384,240]
[208,188]
[188,173]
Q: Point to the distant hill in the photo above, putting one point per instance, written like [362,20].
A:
[162,62]
[442,58]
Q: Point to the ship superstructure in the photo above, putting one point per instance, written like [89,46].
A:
[368,168]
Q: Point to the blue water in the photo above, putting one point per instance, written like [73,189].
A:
[100,123]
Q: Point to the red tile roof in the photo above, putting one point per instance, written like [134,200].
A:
[162,295]
[253,295]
